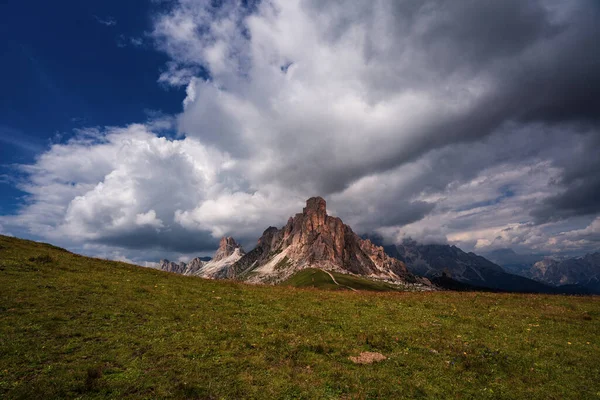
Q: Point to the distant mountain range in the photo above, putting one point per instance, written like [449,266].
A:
[581,271]
[519,264]
[556,271]
[436,260]
[313,239]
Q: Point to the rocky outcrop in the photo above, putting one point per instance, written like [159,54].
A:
[169,266]
[195,266]
[227,246]
[314,239]
[228,253]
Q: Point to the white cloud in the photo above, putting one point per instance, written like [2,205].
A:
[148,218]
[241,213]
[106,21]
[176,75]
[136,41]
[113,182]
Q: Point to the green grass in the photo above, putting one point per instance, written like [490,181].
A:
[75,327]
[312,278]
[316,278]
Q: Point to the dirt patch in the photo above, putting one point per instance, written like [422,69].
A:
[367,357]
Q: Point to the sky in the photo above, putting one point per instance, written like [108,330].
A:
[142,130]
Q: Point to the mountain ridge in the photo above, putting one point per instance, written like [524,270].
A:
[437,260]
[583,271]
[228,253]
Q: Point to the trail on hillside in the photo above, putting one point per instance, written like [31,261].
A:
[336,282]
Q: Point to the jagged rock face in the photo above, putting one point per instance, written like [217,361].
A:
[227,247]
[227,254]
[169,266]
[194,266]
[315,239]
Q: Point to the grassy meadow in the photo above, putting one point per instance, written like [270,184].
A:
[316,278]
[76,327]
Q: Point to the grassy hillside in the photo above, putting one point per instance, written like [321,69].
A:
[318,279]
[71,326]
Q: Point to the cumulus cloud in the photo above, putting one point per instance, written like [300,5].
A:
[475,125]
[128,188]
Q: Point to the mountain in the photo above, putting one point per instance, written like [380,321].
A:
[513,262]
[582,271]
[313,239]
[436,260]
[226,255]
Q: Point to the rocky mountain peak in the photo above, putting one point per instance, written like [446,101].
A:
[315,205]
[228,253]
[227,247]
[314,239]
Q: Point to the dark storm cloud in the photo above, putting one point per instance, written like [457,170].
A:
[176,240]
[580,183]
[540,67]
[366,214]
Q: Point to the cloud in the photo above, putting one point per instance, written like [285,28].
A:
[177,75]
[579,181]
[587,238]
[429,120]
[121,184]
[339,112]
[136,41]
[18,139]
[106,21]
[126,41]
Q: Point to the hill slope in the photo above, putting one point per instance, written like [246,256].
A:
[72,326]
[325,280]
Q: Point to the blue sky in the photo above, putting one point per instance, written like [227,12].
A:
[139,130]
[72,64]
